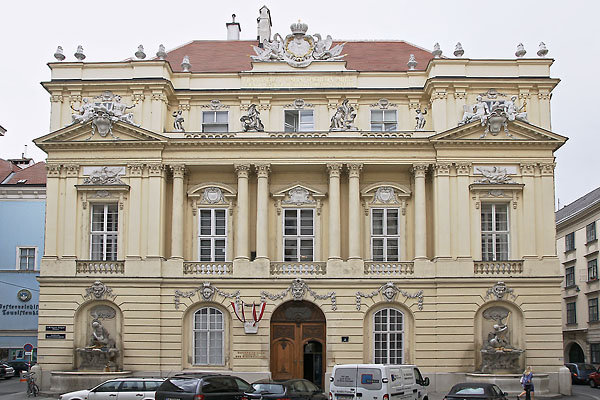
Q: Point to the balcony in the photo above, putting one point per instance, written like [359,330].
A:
[379,268]
[100,267]
[206,268]
[508,267]
[311,268]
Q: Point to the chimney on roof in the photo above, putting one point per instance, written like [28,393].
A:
[233,29]
[264,26]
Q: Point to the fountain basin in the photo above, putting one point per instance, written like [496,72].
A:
[510,382]
[69,381]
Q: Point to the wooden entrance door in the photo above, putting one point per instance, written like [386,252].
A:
[293,326]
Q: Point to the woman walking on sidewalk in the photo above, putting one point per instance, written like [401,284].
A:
[527,383]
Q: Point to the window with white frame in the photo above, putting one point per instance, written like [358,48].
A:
[209,338]
[494,231]
[592,267]
[385,234]
[104,232]
[215,121]
[384,120]
[388,336]
[299,120]
[212,234]
[298,234]
[26,258]
[590,232]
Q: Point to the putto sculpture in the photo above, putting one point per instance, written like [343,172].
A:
[178,123]
[420,117]
[298,49]
[343,119]
[252,122]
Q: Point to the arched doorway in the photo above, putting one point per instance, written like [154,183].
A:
[576,354]
[298,342]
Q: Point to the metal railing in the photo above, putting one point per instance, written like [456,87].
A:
[498,267]
[298,268]
[207,268]
[389,268]
[100,267]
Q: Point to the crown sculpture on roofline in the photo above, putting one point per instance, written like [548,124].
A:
[298,49]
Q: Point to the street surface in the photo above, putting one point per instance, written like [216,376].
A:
[13,389]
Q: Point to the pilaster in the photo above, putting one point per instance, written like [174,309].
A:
[56,106]
[241,231]
[419,172]
[262,207]
[529,216]
[438,110]
[135,210]
[155,215]
[354,227]
[549,227]
[463,171]
[334,211]
[52,197]
[70,218]
[178,171]
[158,105]
[442,210]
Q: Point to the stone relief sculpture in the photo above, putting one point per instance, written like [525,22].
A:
[493,175]
[298,49]
[420,117]
[498,353]
[105,176]
[98,290]
[101,351]
[479,111]
[252,122]
[103,111]
[178,123]
[389,292]
[513,112]
[343,118]
[298,290]
[497,118]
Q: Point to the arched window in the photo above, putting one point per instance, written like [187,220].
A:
[208,337]
[388,329]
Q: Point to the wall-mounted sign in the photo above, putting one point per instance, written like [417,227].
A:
[250,354]
[24,295]
[56,336]
[56,328]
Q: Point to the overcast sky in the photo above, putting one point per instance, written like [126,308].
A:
[111,31]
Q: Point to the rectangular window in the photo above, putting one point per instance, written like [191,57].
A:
[212,234]
[570,241]
[494,232]
[26,258]
[385,234]
[593,309]
[569,276]
[590,232]
[592,269]
[595,350]
[571,313]
[299,120]
[298,235]
[215,121]
[384,120]
[104,231]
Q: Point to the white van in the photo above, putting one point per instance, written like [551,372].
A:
[377,382]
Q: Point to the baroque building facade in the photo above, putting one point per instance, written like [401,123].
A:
[317,203]
[577,248]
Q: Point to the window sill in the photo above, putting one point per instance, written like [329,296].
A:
[573,286]
[591,242]
[592,280]
[571,324]
[569,251]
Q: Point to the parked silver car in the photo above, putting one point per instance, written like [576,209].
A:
[118,389]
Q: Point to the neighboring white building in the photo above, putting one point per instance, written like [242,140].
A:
[577,247]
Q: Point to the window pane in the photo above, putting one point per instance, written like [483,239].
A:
[291,121]
[205,222]
[392,222]
[290,250]
[111,247]
[486,217]
[208,117]
[306,250]
[97,247]
[392,250]
[487,247]
[219,249]
[291,222]
[377,224]
[501,246]
[220,220]
[307,121]
[306,222]
[376,116]
[222,117]
[389,116]
[501,218]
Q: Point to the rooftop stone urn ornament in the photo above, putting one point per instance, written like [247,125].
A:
[437,51]
[252,122]
[185,64]
[520,50]
[79,53]
[59,54]
[412,62]
[161,53]
[543,51]
[458,50]
[140,54]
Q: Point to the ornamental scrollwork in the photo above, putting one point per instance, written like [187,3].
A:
[105,176]
[206,292]
[385,195]
[298,290]
[499,291]
[298,196]
[389,292]
[494,175]
[98,291]
[212,195]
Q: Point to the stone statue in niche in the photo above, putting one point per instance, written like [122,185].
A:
[101,352]
[343,119]
[420,117]
[178,123]
[100,336]
[252,122]
[497,353]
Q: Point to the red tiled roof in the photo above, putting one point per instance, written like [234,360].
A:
[234,56]
[6,167]
[33,175]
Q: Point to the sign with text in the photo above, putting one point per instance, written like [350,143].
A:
[56,336]
[56,328]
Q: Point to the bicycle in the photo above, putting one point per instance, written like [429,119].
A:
[32,387]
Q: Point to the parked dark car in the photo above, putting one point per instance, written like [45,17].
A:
[580,372]
[204,386]
[476,391]
[6,371]
[20,366]
[299,389]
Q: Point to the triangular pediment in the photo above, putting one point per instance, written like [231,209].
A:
[86,133]
[517,132]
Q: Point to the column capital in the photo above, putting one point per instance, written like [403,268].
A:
[178,170]
[354,170]
[242,170]
[135,169]
[72,169]
[439,94]
[463,168]
[527,169]
[56,98]
[442,169]
[53,170]
[263,170]
[334,170]
[156,169]
[419,170]
[547,168]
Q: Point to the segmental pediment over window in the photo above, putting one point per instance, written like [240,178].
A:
[298,195]
[211,194]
